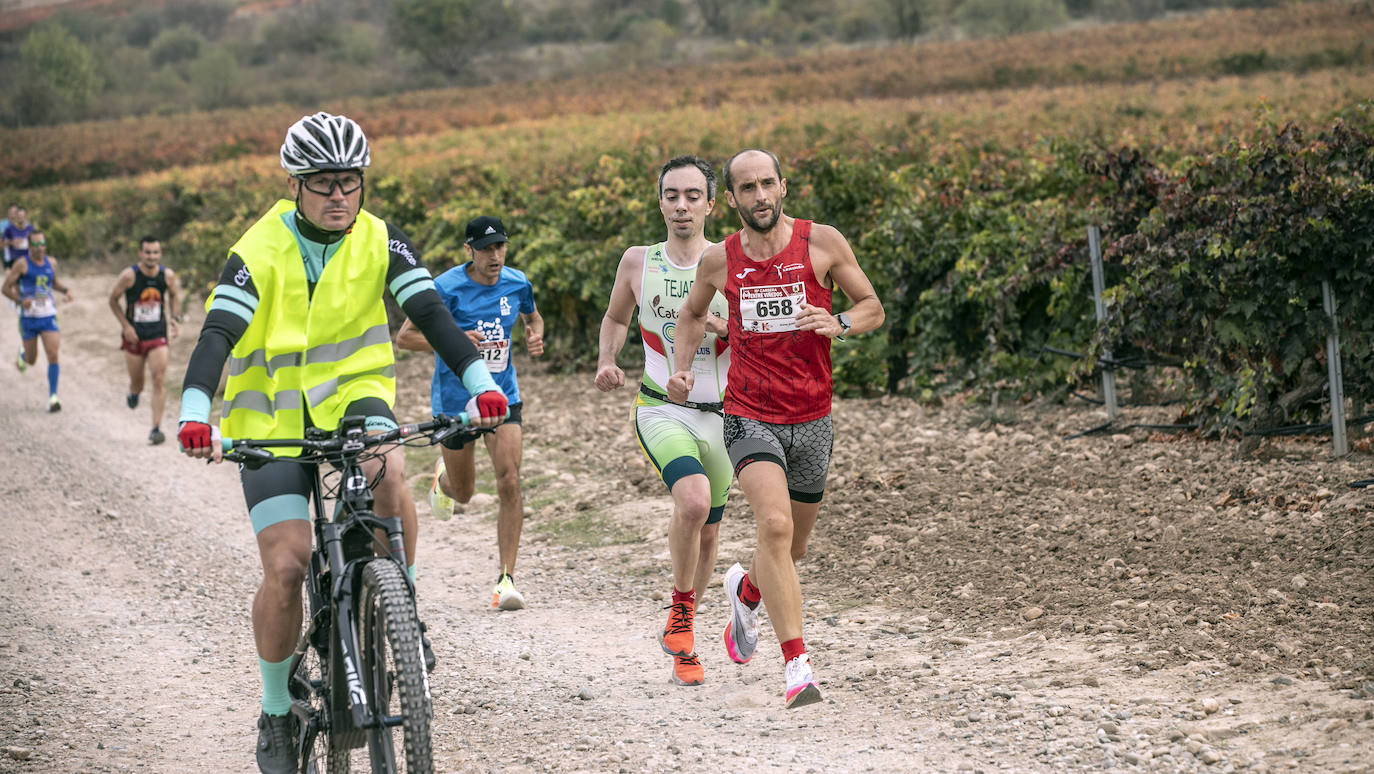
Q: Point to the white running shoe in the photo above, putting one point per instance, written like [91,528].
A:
[440,504]
[505,597]
[801,685]
[742,630]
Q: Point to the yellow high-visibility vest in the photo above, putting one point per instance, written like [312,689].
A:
[324,350]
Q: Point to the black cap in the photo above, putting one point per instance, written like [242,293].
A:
[485,230]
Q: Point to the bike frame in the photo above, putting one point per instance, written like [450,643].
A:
[342,548]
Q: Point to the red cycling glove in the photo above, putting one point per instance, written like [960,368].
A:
[491,403]
[194,435]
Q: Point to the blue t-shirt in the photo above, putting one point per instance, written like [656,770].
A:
[491,310]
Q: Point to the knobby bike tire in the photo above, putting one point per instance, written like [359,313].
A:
[394,671]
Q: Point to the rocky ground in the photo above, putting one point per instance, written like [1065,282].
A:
[982,595]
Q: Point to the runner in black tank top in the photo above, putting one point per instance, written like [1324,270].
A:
[144,304]
[149,292]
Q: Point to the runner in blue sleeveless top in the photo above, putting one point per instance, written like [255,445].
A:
[30,283]
[486,298]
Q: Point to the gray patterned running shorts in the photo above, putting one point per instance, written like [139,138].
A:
[801,450]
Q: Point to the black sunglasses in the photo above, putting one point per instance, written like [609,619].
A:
[324,185]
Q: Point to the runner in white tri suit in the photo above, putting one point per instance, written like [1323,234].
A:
[683,440]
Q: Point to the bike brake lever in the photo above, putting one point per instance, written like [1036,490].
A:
[251,458]
[444,434]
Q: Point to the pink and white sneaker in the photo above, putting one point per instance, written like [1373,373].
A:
[801,685]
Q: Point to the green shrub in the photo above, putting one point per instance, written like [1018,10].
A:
[175,45]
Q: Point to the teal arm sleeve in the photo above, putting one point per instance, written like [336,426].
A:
[477,379]
[195,405]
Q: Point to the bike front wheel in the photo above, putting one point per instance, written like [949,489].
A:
[393,674]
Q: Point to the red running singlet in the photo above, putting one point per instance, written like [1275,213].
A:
[778,374]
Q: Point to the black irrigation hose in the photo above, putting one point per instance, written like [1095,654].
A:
[1139,363]
[1363,483]
[1306,429]
[1135,362]
[1136,426]
[1099,401]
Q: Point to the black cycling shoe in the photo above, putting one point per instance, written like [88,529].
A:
[277,744]
[428,651]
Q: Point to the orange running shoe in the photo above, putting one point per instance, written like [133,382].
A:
[676,637]
[687,670]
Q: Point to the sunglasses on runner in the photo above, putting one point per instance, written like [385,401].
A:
[38,243]
[323,184]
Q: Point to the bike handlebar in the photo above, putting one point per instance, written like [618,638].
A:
[255,450]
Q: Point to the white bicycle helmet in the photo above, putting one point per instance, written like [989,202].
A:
[324,142]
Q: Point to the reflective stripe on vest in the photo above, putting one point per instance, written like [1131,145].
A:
[320,392]
[289,400]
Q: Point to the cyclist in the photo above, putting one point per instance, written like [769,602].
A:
[30,283]
[150,292]
[299,315]
[778,274]
[486,297]
[682,439]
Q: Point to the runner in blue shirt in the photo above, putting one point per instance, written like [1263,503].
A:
[30,283]
[16,235]
[486,298]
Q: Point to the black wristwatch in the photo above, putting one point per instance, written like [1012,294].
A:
[845,325]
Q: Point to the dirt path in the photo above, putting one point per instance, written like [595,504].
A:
[980,597]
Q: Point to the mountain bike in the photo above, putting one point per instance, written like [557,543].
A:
[358,672]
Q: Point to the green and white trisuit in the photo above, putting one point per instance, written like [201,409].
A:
[680,440]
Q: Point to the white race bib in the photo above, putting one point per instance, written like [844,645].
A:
[41,306]
[771,308]
[147,312]
[496,354]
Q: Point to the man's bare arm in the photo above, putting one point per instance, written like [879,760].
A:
[173,296]
[410,337]
[841,267]
[534,332]
[123,282]
[11,286]
[615,324]
[59,286]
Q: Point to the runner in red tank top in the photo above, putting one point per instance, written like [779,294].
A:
[780,373]
[777,273]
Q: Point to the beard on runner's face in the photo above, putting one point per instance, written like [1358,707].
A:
[752,221]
